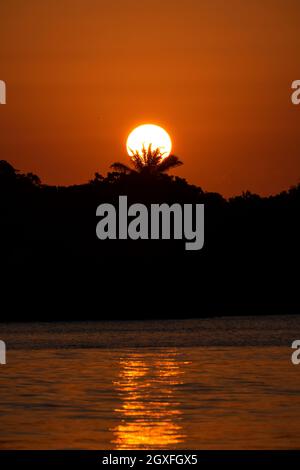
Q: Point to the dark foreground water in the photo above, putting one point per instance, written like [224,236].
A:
[196,384]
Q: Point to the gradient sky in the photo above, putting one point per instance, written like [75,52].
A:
[81,74]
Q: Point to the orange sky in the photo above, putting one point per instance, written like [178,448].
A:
[216,74]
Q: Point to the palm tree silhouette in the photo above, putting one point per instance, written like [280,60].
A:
[148,162]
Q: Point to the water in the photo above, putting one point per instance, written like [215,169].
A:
[197,384]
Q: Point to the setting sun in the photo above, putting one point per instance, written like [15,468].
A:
[149,134]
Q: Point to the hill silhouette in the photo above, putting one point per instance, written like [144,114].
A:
[53,267]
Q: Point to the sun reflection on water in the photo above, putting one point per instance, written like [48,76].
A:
[150,416]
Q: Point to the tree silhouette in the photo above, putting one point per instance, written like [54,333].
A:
[7,171]
[148,161]
[47,233]
[13,179]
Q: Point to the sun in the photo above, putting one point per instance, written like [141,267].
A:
[149,134]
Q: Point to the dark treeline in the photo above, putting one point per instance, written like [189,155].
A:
[54,267]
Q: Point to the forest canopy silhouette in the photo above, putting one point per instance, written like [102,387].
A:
[48,240]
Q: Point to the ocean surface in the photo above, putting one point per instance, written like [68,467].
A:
[222,383]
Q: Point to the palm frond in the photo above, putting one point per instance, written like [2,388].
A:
[138,160]
[169,162]
[121,168]
[147,161]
